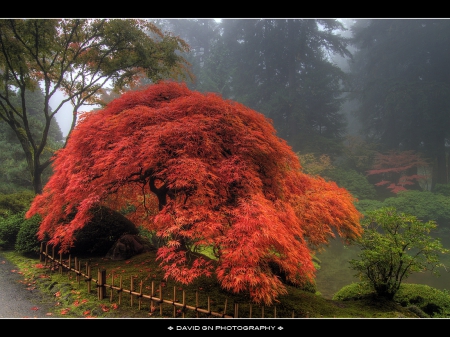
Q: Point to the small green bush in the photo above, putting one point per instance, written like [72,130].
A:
[355,182]
[9,228]
[16,202]
[27,242]
[395,245]
[366,205]
[354,291]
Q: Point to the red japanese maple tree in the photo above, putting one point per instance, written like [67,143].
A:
[200,171]
[395,169]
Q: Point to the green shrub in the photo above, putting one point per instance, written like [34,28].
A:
[354,291]
[102,232]
[395,245]
[443,189]
[27,242]
[355,182]
[421,299]
[9,228]
[432,301]
[366,205]
[424,205]
[16,202]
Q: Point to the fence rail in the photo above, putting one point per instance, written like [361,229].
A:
[102,287]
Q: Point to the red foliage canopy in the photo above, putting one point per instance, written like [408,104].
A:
[395,167]
[200,171]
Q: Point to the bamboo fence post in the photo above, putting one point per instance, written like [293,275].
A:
[250,311]
[140,295]
[79,273]
[88,271]
[184,304]
[236,308]
[46,253]
[131,290]
[60,268]
[160,300]
[70,266]
[41,251]
[152,295]
[262,312]
[75,266]
[112,285]
[120,290]
[209,306]
[53,253]
[174,306]
[196,302]
[225,307]
[101,284]
[275,312]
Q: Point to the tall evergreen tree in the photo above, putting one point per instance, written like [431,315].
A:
[280,68]
[284,71]
[401,79]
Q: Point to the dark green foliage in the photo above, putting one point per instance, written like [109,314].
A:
[433,302]
[100,234]
[367,205]
[15,202]
[443,189]
[27,242]
[424,205]
[9,228]
[353,181]
[422,300]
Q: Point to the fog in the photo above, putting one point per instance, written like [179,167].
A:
[64,115]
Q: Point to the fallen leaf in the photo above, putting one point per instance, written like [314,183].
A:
[35,308]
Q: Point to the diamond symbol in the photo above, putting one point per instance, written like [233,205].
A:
[170,328]
[280,328]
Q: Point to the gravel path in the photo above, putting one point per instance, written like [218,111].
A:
[17,299]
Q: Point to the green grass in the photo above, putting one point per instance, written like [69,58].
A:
[72,300]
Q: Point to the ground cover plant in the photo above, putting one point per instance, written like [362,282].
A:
[198,171]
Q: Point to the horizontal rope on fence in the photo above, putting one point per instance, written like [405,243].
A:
[102,286]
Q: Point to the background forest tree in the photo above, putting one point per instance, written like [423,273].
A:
[278,67]
[401,81]
[79,58]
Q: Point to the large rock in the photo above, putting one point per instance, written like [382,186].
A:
[128,246]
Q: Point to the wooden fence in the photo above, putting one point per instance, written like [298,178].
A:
[102,286]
